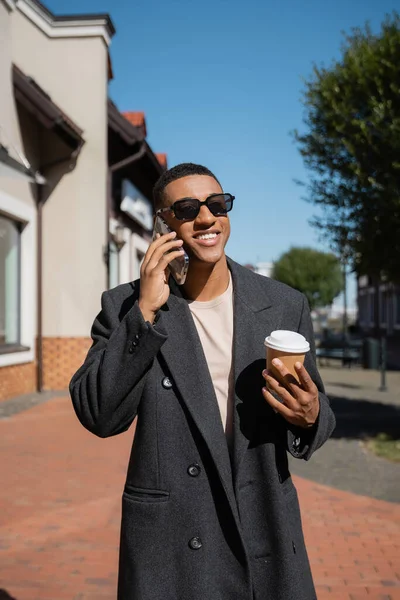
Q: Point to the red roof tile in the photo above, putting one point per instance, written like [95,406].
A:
[137,119]
[162,158]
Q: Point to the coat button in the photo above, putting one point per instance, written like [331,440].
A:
[195,543]
[132,346]
[194,470]
[166,383]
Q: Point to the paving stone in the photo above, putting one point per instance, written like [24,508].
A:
[361,410]
[60,517]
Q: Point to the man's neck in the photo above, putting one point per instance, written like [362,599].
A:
[205,282]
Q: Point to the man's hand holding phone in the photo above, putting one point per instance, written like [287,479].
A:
[154,288]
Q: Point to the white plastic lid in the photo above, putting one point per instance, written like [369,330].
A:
[287,341]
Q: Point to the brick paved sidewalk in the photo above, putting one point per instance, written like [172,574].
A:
[60,511]
[353,543]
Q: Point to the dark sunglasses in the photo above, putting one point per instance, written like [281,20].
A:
[187,209]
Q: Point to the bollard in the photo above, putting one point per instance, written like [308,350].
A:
[383,387]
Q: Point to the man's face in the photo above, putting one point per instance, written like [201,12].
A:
[209,250]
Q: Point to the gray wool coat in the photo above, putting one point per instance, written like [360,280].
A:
[198,522]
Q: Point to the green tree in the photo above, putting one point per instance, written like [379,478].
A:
[316,274]
[352,148]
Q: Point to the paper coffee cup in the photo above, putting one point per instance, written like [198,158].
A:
[290,347]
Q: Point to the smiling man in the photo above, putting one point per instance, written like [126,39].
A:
[209,509]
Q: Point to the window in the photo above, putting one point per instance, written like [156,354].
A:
[363,308]
[113,274]
[372,307]
[10,262]
[397,308]
[139,248]
[383,307]
[18,291]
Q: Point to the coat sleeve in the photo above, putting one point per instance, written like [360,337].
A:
[107,388]
[302,443]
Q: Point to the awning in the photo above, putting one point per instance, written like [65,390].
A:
[36,101]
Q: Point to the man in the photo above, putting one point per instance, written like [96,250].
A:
[209,510]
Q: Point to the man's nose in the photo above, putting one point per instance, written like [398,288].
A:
[205,216]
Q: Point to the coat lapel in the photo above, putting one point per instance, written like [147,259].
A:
[254,318]
[186,361]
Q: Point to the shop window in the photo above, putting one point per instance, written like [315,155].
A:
[10,262]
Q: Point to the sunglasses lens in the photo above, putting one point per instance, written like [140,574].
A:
[220,205]
[186,209]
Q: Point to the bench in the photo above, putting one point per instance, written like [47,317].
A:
[348,356]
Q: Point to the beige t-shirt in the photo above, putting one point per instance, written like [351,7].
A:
[214,323]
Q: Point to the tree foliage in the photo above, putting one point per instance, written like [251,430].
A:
[316,274]
[352,148]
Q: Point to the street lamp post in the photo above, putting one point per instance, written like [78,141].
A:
[383,387]
[344,323]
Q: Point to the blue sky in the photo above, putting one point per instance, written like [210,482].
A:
[220,82]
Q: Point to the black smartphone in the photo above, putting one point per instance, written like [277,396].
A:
[179,266]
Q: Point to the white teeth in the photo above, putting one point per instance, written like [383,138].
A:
[207,236]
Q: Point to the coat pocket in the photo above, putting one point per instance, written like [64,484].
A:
[137,494]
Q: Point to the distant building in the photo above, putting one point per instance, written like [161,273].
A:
[264,268]
[379,313]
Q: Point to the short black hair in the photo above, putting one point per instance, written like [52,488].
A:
[177,172]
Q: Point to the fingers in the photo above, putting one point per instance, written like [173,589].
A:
[300,407]
[166,259]
[161,240]
[305,379]
[280,390]
[286,376]
[278,407]
[160,251]
[164,251]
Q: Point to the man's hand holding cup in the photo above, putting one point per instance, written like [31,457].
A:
[287,378]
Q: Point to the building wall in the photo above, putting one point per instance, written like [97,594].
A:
[62,356]
[17,370]
[379,309]
[10,131]
[379,315]
[74,72]
[16,380]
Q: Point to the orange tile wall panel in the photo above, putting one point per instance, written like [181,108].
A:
[16,380]
[61,358]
